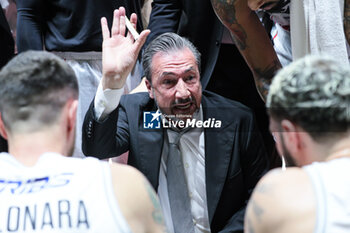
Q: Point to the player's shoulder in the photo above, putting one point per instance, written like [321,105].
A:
[126,171]
[280,199]
[285,184]
[133,192]
[128,182]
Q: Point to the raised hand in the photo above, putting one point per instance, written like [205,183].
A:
[119,52]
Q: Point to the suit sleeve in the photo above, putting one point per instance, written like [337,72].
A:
[254,164]
[107,138]
[7,46]
[30,24]
[165,17]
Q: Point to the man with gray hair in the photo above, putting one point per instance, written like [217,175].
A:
[41,189]
[201,152]
[309,116]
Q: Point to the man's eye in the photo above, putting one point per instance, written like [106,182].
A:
[189,78]
[168,81]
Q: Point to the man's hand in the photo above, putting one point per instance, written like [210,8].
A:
[119,52]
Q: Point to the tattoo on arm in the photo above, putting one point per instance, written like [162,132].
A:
[262,188]
[157,212]
[263,77]
[250,226]
[347,20]
[226,11]
[256,218]
[257,209]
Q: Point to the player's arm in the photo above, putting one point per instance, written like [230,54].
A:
[251,39]
[347,20]
[29,24]
[138,201]
[281,202]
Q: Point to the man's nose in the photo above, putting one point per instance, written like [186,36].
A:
[182,90]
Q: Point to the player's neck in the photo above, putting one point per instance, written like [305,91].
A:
[340,150]
[27,148]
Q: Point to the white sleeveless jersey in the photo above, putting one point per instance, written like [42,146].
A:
[331,182]
[58,194]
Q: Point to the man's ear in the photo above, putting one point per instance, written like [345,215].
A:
[2,128]
[149,89]
[72,115]
[292,135]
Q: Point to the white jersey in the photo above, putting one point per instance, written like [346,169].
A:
[331,182]
[58,194]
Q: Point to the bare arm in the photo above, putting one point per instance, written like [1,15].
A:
[251,40]
[137,200]
[347,20]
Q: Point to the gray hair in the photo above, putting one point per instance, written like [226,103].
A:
[166,43]
[34,87]
[313,92]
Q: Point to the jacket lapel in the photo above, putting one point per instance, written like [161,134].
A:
[150,147]
[218,146]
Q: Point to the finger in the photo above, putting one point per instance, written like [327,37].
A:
[115,25]
[141,40]
[122,21]
[104,28]
[133,21]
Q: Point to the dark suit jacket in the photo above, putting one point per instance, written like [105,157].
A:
[7,44]
[7,50]
[193,19]
[234,154]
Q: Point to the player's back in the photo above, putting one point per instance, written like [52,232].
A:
[58,194]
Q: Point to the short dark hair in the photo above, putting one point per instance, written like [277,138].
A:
[34,86]
[166,43]
[313,92]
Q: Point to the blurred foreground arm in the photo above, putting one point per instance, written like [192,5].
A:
[251,39]
[137,200]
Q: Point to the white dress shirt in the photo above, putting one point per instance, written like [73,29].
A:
[193,154]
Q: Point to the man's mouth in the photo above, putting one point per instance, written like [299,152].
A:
[183,106]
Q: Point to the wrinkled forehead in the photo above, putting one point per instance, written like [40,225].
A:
[175,61]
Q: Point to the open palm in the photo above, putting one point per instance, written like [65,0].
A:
[119,52]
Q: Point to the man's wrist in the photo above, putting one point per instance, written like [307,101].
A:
[112,82]
[106,101]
